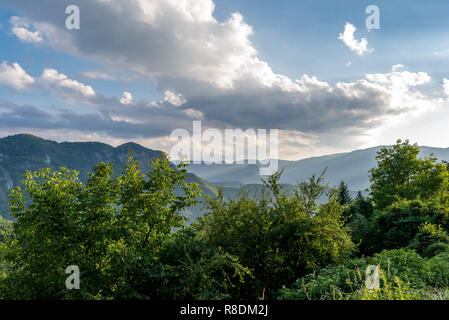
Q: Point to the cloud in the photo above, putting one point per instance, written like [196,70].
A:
[140,121]
[358,46]
[174,98]
[20,29]
[210,70]
[171,38]
[441,53]
[446,88]
[127,98]
[97,75]
[313,106]
[68,89]
[14,76]
[397,67]
[315,114]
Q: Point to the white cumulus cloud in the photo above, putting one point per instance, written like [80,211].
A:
[14,76]
[20,28]
[358,46]
[174,98]
[69,89]
[127,98]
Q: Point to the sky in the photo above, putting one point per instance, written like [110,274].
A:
[136,70]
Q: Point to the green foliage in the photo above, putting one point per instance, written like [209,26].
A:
[396,226]
[395,289]
[430,239]
[194,270]
[5,227]
[331,283]
[404,275]
[401,174]
[127,233]
[360,205]
[407,208]
[358,217]
[112,228]
[406,191]
[120,232]
[344,196]
[214,276]
[278,237]
[435,249]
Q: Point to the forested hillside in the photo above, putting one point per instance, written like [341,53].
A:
[26,152]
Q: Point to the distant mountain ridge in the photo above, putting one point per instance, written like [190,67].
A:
[352,167]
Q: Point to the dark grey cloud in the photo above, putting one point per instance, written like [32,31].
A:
[153,124]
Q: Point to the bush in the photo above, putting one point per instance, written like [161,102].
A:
[396,226]
[435,249]
[404,275]
[426,240]
[328,283]
[437,268]
[395,289]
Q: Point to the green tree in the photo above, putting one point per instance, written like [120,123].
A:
[112,228]
[401,174]
[358,217]
[280,236]
[344,197]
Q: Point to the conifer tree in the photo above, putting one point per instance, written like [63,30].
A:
[343,194]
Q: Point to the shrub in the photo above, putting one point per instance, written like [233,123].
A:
[404,275]
[430,235]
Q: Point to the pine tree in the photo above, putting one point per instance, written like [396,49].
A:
[343,194]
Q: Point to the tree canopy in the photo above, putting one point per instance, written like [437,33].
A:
[401,174]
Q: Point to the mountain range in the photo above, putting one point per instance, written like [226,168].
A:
[352,167]
[23,152]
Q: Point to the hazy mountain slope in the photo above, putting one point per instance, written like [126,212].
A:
[352,167]
[216,173]
[206,187]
